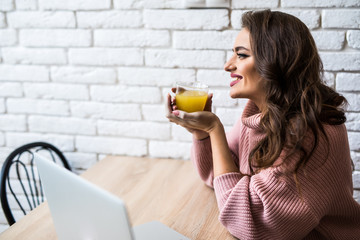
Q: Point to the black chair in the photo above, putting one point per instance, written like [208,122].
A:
[20,183]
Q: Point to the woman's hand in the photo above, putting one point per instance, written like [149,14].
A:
[197,123]
[203,124]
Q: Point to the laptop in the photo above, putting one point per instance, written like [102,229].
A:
[82,210]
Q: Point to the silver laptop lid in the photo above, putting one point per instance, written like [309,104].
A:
[81,210]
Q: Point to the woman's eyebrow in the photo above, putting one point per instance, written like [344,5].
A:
[240,48]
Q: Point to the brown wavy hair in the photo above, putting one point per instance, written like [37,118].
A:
[297,100]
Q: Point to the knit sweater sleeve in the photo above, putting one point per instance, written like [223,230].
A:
[262,207]
[201,154]
[268,205]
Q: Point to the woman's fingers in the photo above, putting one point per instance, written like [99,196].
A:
[168,105]
[172,98]
[188,120]
[177,117]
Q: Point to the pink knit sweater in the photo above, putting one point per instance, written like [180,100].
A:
[267,205]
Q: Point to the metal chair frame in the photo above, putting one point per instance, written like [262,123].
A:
[34,195]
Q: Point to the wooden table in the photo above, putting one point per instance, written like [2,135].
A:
[169,191]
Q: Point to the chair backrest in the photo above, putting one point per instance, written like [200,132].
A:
[21,187]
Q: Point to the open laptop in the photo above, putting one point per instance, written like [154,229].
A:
[81,210]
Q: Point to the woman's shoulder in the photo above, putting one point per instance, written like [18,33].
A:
[332,145]
[335,133]
[332,151]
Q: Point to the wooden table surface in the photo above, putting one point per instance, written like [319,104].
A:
[169,191]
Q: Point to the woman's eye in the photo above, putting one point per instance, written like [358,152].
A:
[242,55]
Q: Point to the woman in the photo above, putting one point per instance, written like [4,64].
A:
[284,170]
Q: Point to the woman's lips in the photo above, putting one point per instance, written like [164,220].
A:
[234,82]
[237,79]
[233,75]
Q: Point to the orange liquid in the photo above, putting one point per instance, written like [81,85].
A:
[191,101]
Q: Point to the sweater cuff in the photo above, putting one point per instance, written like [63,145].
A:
[202,148]
[201,140]
[225,182]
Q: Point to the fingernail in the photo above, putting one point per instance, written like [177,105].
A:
[176,113]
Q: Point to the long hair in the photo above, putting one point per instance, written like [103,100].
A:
[297,100]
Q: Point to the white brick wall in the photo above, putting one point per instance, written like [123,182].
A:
[8,37]
[348,82]
[2,20]
[63,142]
[131,38]
[255,4]
[137,129]
[353,121]
[168,149]
[70,74]
[180,134]
[2,105]
[10,122]
[110,19]
[153,112]
[184,59]
[98,110]
[161,77]
[74,5]
[353,100]
[112,145]
[55,37]
[186,19]
[106,56]
[41,19]
[56,91]
[26,4]
[213,78]
[353,37]
[6,5]
[329,40]
[92,76]
[23,73]
[129,4]
[10,89]
[45,56]
[310,17]
[345,61]
[341,18]
[354,141]
[125,94]
[204,39]
[37,106]
[2,139]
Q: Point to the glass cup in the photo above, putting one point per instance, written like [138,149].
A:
[191,96]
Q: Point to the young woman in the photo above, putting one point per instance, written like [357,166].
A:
[284,171]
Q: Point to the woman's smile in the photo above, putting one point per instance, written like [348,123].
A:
[236,78]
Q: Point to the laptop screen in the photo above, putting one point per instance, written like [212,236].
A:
[81,210]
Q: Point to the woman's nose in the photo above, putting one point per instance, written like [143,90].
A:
[229,66]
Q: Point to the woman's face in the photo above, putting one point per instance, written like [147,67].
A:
[246,81]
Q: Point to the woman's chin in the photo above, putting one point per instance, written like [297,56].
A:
[234,94]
